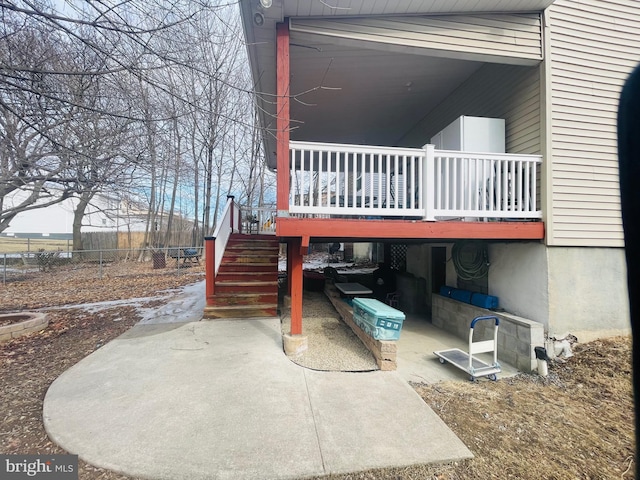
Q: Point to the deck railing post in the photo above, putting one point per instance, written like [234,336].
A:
[210,267]
[428,182]
[232,216]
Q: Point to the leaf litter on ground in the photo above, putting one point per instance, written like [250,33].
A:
[575,423]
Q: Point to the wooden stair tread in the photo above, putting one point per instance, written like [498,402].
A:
[248,264]
[247,279]
[244,294]
[260,306]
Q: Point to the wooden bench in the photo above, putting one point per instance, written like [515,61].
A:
[188,255]
[42,259]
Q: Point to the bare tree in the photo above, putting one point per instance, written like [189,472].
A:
[162,74]
[33,126]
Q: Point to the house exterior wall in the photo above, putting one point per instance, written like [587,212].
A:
[420,266]
[518,277]
[50,220]
[565,109]
[499,91]
[592,47]
[503,38]
[58,218]
[102,214]
[588,294]
[575,290]
[581,291]
[313,8]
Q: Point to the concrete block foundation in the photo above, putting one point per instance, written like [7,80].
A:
[517,336]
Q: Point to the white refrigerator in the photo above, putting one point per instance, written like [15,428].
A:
[469,189]
[472,134]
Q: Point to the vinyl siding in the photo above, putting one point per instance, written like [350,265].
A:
[593,45]
[314,8]
[504,38]
[499,91]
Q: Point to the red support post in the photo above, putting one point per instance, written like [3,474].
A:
[289,255]
[282,115]
[295,274]
[210,268]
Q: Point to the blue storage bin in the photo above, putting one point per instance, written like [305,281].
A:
[461,295]
[377,319]
[466,296]
[446,291]
[484,301]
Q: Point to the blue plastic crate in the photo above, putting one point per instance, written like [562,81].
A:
[446,291]
[377,319]
[484,301]
[467,296]
[461,295]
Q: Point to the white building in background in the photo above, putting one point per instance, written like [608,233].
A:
[103,214]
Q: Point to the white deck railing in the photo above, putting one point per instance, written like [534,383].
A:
[228,224]
[355,180]
[260,220]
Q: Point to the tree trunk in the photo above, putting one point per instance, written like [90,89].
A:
[176,176]
[78,215]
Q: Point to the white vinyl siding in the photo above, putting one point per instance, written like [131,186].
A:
[499,91]
[594,45]
[329,8]
[502,38]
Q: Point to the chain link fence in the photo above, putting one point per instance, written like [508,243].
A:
[19,266]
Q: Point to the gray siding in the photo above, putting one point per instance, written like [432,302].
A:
[315,8]
[593,45]
[504,38]
[500,91]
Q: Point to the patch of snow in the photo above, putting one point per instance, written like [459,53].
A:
[186,306]
[182,305]
[318,261]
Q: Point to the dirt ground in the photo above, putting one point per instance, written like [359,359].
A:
[577,423]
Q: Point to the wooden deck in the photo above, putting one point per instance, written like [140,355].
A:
[328,229]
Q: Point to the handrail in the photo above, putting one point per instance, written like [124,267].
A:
[385,182]
[216,244]
[484,185]
[259,220]
[328,178]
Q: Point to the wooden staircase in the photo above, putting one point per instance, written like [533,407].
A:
[247,281]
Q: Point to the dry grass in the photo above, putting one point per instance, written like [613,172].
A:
[18,245]
[578,423]
[86,283]
[575,424]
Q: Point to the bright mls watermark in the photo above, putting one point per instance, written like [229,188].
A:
[50,467]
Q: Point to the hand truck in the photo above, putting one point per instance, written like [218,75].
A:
[470,364]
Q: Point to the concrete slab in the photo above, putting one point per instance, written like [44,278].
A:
[419,338]
[185,402]
[220,399]
[375,420]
